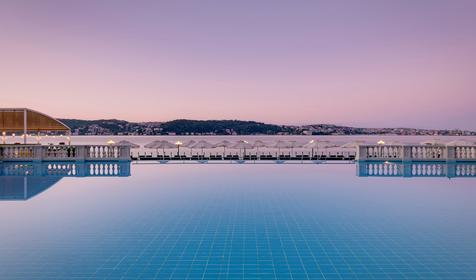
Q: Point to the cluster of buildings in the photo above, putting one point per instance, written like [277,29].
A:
[328,129]
[118,127]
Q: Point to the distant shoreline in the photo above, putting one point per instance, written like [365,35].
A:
[239,128]
[270,135]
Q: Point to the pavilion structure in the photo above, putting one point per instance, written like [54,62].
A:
[27,121]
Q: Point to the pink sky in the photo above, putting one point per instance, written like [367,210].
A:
[371,63]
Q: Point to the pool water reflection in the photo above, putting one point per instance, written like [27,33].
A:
[232,221]
[24,180]
[416,169]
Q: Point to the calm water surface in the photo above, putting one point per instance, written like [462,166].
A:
[248,221]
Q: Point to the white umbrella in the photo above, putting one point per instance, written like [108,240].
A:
[294,144]
[432,142]
[352,144]
[225,144]
[152,144]
[243,144]
[316,144]
[160,144]
[259,144]
[202,144]
[280,144]
[187,144]
[127,143]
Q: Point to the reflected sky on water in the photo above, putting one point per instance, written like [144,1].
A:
[242,221]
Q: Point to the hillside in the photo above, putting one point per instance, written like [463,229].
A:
[233,127]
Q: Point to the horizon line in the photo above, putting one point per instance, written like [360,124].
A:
[269,123]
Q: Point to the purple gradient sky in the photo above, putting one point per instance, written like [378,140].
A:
[366,63]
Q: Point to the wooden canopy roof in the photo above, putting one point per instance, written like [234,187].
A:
[23,119]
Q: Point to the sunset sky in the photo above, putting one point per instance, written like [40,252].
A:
[363,63]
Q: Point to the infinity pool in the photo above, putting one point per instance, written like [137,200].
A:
[240,221]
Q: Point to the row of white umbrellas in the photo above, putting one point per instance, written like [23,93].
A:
[241,145]
[280,144]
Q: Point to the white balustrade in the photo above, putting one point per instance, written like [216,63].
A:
[66,169]
[416,169]
[465,170]
[416,153]
[17,152]
[106,152]
[465,152]
[383,152]
[430,170]
[63,152]
[383,169]
[104,169]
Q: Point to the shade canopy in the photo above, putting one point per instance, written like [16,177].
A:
[202,144]
[316,144]
[352,144]
[242,144]
[127,143]
[187,144]
[295,144]
[281,144]
[159,144]
[260,144]
[27,120]
[223,144]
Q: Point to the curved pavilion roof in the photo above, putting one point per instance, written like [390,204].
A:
[13,119]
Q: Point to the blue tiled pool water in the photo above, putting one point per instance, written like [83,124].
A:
[232,221]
